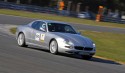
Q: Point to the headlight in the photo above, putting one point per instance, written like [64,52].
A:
[66,41]
[94,45]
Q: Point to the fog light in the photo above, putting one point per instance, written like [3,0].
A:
[69,47]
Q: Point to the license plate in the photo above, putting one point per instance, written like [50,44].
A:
[83,53]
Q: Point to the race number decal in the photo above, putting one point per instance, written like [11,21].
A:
[42,37]
[37,37]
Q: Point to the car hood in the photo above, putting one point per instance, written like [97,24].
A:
[76,39]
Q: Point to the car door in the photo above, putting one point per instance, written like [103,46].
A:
[39,33]
[31,31]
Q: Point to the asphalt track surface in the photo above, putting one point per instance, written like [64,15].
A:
[15,59]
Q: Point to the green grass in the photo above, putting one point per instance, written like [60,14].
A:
[108,45]
[58,18]
[13,30]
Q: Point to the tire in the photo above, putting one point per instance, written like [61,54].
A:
[53,47]
[86,57]
[21,40]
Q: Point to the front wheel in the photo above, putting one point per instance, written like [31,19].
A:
[21,40]
[86,57]
[53,47]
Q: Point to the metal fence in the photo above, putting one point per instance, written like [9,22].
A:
[34,8]
[106,18]
[28,7]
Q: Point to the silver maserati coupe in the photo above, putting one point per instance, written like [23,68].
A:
[56,37]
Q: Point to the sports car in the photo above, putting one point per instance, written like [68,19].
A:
[56,37]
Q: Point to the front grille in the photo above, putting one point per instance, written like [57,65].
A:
[83,48]
[88,49]
[79,47]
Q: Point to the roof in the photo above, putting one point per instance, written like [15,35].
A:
[52,21]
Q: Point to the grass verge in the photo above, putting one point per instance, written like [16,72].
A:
[58,18]
[13,30]
[109,45]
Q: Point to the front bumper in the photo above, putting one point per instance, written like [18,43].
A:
[74,51]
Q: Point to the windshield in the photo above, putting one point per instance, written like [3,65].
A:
[58,27]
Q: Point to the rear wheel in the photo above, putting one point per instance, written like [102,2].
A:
[21,40]
[86,57]
[53,47]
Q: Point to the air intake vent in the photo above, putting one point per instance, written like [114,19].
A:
[83,48]
[79,47]
[88,49]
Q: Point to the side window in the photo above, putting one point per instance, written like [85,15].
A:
[38,25]
[42,26]
[34,25]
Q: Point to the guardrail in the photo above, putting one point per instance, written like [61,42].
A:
[28,7]
[50,10]
[33,8]
[111,19]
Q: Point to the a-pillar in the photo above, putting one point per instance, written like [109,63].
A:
[18,2]
[78,7]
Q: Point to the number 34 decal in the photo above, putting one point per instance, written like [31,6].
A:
[39,37]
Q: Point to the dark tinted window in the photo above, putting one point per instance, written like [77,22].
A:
[42,26]
[39,25]
[34,25]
